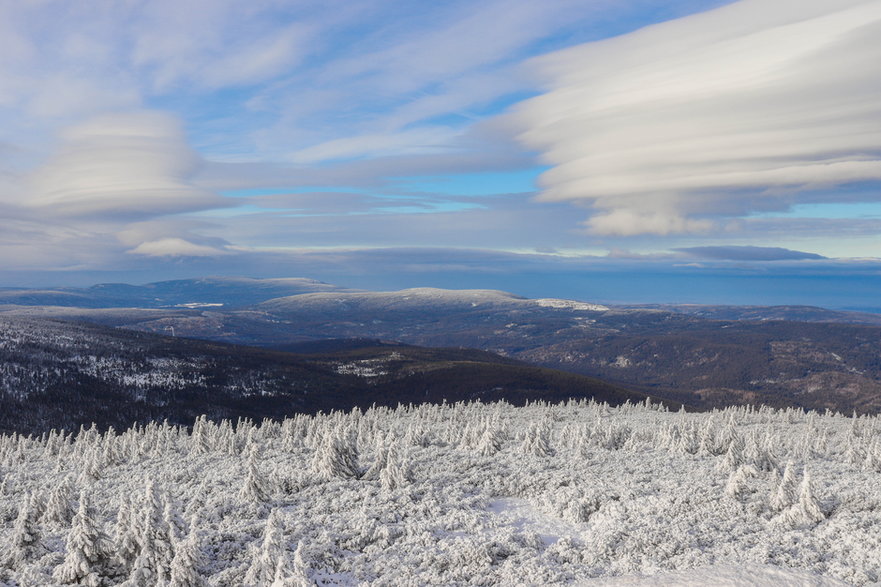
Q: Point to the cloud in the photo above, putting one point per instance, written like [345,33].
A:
[406,142]
[748,253]
[175,247]
[134,164]
[662,129]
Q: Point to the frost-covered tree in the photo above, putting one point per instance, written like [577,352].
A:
[785,492]
[254,490]
[806,511]
[734,456]
[185,565]
[292,573]
[201,439]
[760,453]
[537,440]
[738,481]
[153,563]
[88,555]
[60,507]
[491,440]
[337,457]
[126,534]
[25,542]
[174,521]
[374,471]
[396,473]
[272,548]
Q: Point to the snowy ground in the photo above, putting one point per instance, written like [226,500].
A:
[452,495]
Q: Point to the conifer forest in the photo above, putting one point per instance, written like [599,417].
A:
[450,494]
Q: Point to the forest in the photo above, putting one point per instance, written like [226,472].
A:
[446,494]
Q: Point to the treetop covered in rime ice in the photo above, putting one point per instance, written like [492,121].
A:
[462,494]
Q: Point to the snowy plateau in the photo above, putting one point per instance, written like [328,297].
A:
[462,494]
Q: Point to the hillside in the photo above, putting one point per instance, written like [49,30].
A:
[706,356]
[61,375]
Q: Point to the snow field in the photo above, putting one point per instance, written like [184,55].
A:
[465,494]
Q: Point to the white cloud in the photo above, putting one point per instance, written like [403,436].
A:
[662,128]
[175,247]
[121,165]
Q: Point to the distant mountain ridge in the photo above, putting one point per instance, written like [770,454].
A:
[230,292]
[705,356]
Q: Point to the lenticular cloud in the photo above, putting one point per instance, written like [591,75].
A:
[134,164]
[661,129]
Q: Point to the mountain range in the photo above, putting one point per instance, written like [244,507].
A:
[702,356]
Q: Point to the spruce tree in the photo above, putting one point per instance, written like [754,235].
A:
[254,489]
[337,458]
[25,543]
[88,553]
[187,560]
[806,511]
[126,534]
[153,563]
[272,548]
[59,507]
[785,493]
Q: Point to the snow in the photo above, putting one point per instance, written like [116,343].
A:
[571,305]
[465,494]
[720,576]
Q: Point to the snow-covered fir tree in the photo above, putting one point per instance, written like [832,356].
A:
[88,555]
[188,558]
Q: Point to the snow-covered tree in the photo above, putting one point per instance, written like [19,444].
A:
[785,493]
[174,521]
[537,440]
[87,560]
[254,490]
[491,440]
[185,565]
[272,548]
[153,563]
[337,457]
[396,473]
[738,481]
[60,507]
[292,573]
[25,542]
[806,511]
[126,534]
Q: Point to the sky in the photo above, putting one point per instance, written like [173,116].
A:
[701,151]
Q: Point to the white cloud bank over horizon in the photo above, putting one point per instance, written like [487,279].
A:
[715,114]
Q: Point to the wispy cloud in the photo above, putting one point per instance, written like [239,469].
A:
[661,129]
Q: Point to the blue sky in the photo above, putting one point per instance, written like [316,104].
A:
[680,149]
